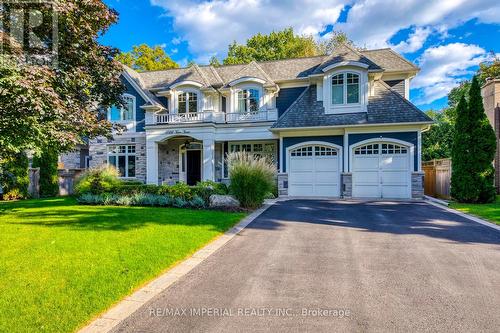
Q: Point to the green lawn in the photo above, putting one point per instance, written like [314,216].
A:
[62,264]
[490,212]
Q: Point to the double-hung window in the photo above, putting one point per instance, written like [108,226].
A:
[248,100]
[122,157]
[345,89]
[188,102]
[125,112]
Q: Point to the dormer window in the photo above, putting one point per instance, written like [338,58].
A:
[188,102]
[123,113]
[345,88]
[248,100]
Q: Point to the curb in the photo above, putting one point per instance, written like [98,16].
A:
[467,216]
[435,200]
[111,318]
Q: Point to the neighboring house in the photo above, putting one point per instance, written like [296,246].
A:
[491,101]
[337,125]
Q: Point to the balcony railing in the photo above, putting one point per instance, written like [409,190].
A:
[190,117]
[216,117]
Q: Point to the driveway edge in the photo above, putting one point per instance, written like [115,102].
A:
[123,309]
[467,216]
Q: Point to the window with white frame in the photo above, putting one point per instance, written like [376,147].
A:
[122,157]
[187,102]
[123,113]
[260,149]
[345,88]
[248,100]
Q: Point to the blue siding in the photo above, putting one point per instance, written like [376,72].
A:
[164,101]
[139,101]
[286,97]
[411,137]
[288,142]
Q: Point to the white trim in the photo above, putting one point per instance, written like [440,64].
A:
[346,126]
[246,79]
[281,153]
[175,99]
[343,64]
[317,143]
[185,83]
[408,145]
[234,97]
[419,151]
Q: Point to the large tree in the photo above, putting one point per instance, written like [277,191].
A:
[277,45]
[57,106]
[490,69]
[473,150]
[438,140]
[146,58]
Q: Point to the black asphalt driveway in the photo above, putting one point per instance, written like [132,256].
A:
[327,266]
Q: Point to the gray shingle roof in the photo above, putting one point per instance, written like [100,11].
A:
[277,70]
[390,60]
[385,107]
[345,53]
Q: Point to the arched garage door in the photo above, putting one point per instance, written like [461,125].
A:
[314,170]
[381,170]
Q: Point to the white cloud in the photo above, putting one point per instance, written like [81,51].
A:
[209,26]
[444,67]
[373,22]
[415,41]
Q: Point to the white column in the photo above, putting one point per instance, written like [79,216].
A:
[152,162]
[346,153]
[209,159]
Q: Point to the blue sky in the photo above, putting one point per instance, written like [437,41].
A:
[447,39]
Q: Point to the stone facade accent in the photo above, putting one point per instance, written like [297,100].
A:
[282,184]
[346,185]
[98,152]
[74,159]
[168,161]
[417,185]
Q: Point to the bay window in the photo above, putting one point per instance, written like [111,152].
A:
[122,157]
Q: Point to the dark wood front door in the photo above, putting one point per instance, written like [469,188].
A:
[193,171]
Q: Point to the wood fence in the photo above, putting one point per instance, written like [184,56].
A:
[437,180]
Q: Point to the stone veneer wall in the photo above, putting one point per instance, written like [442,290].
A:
[98,152]
[71,160]
[417,185]
[168,161]
[282,184]
[346,185]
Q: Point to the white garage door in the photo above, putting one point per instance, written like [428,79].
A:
[381,170]
[314,171]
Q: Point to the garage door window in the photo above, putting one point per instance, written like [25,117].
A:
[391,149]
[304,151]
[367,150]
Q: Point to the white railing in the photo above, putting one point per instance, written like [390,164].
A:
[261,115]
[190,117]
[216,117]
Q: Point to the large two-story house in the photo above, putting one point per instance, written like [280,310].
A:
[339,125]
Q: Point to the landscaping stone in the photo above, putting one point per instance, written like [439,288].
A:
[223,201]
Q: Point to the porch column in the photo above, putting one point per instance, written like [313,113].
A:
[152,162]
[209,159]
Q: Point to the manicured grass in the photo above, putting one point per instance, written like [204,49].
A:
[61,264]
[490,212]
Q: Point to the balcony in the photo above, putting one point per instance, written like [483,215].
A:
[212,117]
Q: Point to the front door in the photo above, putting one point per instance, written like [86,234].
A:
[193,170]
